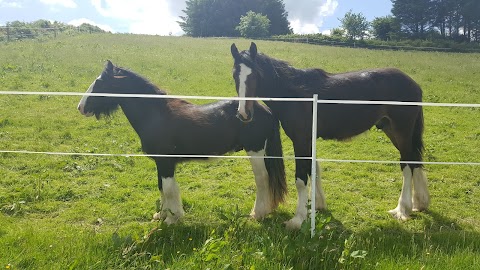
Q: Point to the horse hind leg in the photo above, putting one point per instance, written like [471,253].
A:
[421,196]
[407,139]
[404,206]
[414,179]
[320,201]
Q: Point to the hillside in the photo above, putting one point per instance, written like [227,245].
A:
[83,212]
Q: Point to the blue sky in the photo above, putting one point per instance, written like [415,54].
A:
[159,16]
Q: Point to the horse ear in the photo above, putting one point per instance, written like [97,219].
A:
[234,51]
[253,50]
[108,68]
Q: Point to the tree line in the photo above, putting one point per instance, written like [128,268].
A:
[416,22]
[17,30]
[457,20]
[209,18]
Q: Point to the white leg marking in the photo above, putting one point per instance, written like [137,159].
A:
[320,202]
[242,88]
[263,201]
[172,208]
[162,214]
[301,213]
[421,197]
[404,207]
[83,101]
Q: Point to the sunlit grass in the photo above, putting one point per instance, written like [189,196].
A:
[61,212]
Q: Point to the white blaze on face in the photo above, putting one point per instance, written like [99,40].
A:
[83,101]
[242,89]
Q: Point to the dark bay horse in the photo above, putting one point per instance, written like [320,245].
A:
[169,126]
[258,75]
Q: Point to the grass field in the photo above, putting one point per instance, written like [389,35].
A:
[77,212]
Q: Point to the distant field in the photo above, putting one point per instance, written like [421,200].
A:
[76,212]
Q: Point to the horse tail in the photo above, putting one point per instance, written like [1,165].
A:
[417,140]
[275,166]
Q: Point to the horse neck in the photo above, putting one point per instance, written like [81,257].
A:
[281,82]
[140,110]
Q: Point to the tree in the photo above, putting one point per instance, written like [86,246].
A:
[205,18]
[275,11]
[415,16]
[337,32]
[385,28]
[355,24]
[455,19]
[253,25]
[219,18]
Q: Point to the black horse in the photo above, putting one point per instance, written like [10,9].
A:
[168,126]
[258,75]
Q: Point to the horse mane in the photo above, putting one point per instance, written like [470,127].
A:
[120,71]
[302,81]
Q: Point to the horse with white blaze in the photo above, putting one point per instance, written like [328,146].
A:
[258,75]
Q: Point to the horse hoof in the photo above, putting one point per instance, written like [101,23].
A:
[398,214]
[171,220]
[258,215]
[160,216]
[294,224]
[419,209]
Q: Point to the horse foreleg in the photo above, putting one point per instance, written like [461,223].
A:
[301,212]
[172,209]
[173,203]
[263,200]
[404,207]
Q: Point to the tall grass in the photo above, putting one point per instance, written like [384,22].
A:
[80,212]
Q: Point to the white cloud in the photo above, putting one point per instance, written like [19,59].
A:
[303,28]
[10,4]
[64,3]
[145,17]
[78,22]
[328,8]
[327,32]
[306,16]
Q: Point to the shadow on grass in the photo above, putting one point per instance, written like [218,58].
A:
[238,242]
[439,239]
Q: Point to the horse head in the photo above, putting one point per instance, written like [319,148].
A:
[245,74]
[105,83]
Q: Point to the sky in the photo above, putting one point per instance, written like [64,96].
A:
[159,17]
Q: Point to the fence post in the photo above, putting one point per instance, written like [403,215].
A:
[313,177]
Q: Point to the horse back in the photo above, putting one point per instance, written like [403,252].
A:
[386,84]
[209,129]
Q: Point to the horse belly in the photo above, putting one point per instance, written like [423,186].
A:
[341,122]
[208,141]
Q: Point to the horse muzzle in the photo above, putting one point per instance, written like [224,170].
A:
[247,119]
[81,109]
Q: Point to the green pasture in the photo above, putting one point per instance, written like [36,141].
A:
[89,212]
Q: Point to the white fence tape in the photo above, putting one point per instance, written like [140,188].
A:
[321,101]
[313,157]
